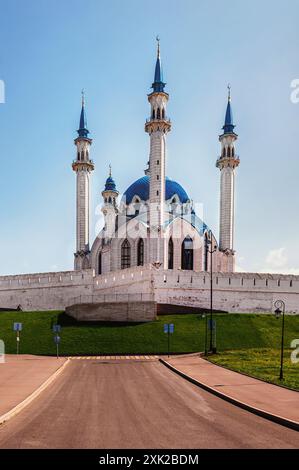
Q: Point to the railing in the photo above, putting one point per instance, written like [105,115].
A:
[109,298]
[166,118]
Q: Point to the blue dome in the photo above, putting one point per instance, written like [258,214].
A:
[110,184]
[141,188]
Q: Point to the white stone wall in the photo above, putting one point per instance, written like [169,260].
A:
[44,291]
[233,292]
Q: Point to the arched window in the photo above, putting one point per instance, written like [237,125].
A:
[100,263]
[223,152]
[163,113]
[170,254]
[154,114]
[233,152]
[82,155]
[228,152]
[187,254]
[125,255]
[206,253]
[158,113]
[140,252]
[78,156]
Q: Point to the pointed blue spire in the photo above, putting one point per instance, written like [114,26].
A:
[83,131]
[158,85]
[110,183]
[228,127]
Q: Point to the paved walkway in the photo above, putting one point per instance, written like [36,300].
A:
[105,358]
[271,398]
[131,404]
[22,375]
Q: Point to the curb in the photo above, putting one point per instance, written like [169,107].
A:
[257,411]
[14,411]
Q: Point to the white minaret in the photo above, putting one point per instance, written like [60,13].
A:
[157,126]
[109,208]
[227,163]
[82,166]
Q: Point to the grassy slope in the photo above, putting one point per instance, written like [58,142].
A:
[261,363]
[233,332]
[254,339]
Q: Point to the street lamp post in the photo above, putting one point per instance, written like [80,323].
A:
[280,308]
[211,250]
[206,335]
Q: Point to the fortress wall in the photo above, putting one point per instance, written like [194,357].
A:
[44,291]
[134,280]
[233,292]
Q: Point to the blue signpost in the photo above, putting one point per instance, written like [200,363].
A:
[56,330]
[17,327]
[169,330]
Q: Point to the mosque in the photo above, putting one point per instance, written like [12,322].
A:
[154,253]
[155,222]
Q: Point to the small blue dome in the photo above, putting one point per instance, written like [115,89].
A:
[110,184]
[140,188]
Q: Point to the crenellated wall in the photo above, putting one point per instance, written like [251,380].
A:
[44,291]
[233,292]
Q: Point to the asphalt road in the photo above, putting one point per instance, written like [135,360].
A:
[127,404]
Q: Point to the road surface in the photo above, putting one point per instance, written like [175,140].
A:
[136,404]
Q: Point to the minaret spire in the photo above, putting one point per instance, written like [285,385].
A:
[83,167]
[83,131]
[109,208]
[157,126]
[228,123]
[227,164]
[158,84]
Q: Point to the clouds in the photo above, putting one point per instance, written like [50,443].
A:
[277,261]
[277,258]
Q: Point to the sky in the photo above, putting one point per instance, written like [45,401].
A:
[51,49]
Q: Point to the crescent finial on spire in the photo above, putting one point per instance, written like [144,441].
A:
[158,45]
[83,96]
[229,88]
[110,170]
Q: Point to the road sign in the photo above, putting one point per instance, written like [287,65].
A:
[17,326]
[57,339]
[56,328]
[168,328]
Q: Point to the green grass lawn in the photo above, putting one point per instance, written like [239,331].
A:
[261,363]
[233,332]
